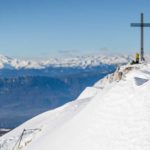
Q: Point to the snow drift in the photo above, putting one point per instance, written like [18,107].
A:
[114,114]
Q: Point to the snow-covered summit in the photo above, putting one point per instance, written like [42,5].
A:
[78,61]
[112,115]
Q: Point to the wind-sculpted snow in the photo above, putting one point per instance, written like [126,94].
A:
[113,116]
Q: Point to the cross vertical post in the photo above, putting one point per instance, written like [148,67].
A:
[142,37]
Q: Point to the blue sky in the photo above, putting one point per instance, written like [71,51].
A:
[45,28]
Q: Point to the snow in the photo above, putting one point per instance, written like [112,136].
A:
[5,130]
[112,115]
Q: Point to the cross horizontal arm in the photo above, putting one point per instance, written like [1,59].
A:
[140,24]
[146,24]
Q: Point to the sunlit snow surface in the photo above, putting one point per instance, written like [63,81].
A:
[111,115]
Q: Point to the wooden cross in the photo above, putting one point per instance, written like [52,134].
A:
[142,25]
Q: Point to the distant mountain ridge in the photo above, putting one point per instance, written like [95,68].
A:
[78,61]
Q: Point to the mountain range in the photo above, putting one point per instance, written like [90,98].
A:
[77,61]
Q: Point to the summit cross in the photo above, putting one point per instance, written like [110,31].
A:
[141,25]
